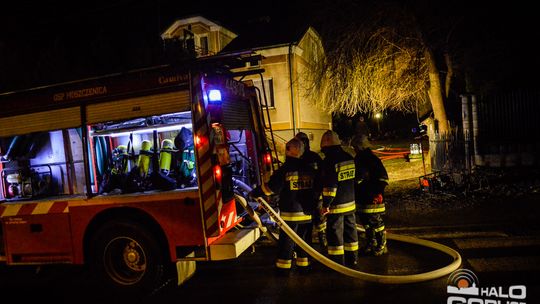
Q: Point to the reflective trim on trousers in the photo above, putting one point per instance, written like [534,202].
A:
[351,246]
[284,264]
[321,227]
[373,208]
[343,208]
[336,250]
[379,229]
[302,262]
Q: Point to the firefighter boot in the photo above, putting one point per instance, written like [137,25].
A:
[371,242]
[337,258]
[381,248]
[323,243]
[351,259]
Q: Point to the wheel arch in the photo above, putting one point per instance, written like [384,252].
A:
[124,214]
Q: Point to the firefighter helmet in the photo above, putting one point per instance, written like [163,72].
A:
[294,148]
[304,138]
[330,138]
[360,142]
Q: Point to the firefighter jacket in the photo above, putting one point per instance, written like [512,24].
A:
[371,180]
[314,160]
[294,182]
[337,178]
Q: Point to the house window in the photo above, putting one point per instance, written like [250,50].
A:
[203,45]
[268,88]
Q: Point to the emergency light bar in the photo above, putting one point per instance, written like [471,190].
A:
[214,95]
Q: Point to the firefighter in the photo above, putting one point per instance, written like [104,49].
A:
[371,180]
[315,161]
[337,179]
[293,181]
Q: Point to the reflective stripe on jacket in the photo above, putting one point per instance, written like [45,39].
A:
[294,182]
[338,180]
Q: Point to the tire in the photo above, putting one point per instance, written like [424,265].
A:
[127,258]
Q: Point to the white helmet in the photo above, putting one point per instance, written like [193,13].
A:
[330,138]
[294,148]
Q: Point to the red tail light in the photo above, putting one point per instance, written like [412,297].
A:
[268,159]
[199,141]
[217,173]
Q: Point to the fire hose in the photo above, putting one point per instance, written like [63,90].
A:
[376,278]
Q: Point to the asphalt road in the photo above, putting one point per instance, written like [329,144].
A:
[499,255]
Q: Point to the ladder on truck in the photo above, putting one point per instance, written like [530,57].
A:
[265,115]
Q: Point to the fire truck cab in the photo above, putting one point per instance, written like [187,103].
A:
[130,173]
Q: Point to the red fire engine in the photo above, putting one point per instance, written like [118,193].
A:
[130,173]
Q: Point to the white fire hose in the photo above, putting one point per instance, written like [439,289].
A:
[383,279]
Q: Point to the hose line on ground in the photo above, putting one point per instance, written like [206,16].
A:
[383,279]
[256,218]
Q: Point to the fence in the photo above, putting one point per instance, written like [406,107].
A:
[446,151]
[493,131]
[508,129]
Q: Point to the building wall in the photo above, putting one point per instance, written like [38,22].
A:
[286,65]
[218,36]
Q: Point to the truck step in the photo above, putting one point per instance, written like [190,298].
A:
[233,244]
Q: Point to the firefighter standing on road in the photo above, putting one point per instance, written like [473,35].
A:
[337,179]
[294,182]
[315,161]
[371,178]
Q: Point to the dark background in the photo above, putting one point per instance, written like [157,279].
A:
[44,42]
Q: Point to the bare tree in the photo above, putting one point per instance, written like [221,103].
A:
[380,60]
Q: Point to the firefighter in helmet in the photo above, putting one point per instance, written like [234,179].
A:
[371,180]
[337,179]
[315,161]
[293,181]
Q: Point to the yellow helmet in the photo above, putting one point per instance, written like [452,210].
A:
[330,138]
[294,148]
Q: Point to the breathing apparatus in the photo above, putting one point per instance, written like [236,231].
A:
[165,156]
[120,160]
[143,162]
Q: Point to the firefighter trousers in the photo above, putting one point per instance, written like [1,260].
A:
[286,246]
[375,231]
[319,226]
[342,238]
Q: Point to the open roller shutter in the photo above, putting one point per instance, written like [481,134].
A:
[40,121]
[138,107]
[236,115]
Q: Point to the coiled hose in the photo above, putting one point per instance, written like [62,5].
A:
[383,279]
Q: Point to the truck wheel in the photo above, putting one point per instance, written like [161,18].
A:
[126,256]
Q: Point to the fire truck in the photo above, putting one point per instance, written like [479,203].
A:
[131,173]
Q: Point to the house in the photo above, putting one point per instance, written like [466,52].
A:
[286,53]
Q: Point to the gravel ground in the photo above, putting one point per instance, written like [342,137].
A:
[490,195]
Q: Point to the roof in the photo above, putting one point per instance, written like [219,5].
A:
[266,34]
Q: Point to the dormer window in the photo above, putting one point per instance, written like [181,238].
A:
[203,45]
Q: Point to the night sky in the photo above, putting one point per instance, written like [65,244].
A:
[43,42]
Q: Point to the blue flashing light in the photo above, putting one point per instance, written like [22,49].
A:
[214,95]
